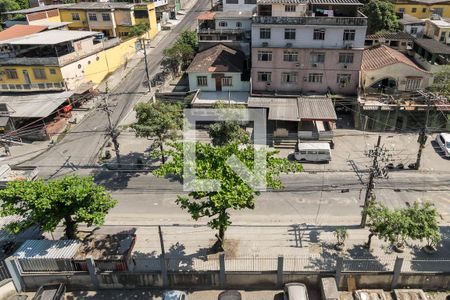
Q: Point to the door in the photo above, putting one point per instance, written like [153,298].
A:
[26,76]
[218,84]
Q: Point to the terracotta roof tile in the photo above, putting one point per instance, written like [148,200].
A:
[219,58]
[20,30]
[209,15]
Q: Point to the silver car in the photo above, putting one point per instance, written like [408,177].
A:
[295,291]
[230,295]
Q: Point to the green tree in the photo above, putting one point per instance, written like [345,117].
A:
[188,38]
[229,130]
[424,223]
[72,199]
[179,56]
[8,5]
[234,193]
[140,29]
[441,82]
[381,16]
[158,120]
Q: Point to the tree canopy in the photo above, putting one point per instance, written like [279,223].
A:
[228,130]
[179,56]
[441,82]
[381,16]
[71,199]
[234,193]
[158,120]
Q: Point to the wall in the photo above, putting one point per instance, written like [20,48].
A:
[100,24]
[433,31]
[278,10]
[420,30]
[7,289]
[241,6]
[238,85]
[124,17]
[57,77]
[408,9]
[426,65]
[304,36]
[399,72]
[231,23]
[66,16]
[303,67]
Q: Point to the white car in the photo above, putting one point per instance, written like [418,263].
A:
[295,291]
[174,295]
[443,140]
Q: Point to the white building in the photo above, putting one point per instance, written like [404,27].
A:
[239,5]
[412,25]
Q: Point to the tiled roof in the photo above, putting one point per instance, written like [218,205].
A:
[209,15]
[281,1]
[101,5]
[19,31]
[337,2]
[433,46]
[382,56]
[219,58]
[390,36]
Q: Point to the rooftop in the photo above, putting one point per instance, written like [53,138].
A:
[282,1]
[51,37]
[208,99]
[61,249]
[50,24]
[234,14]
[106,246]
[19,31]
[209,15]
[408,19]
[440,23]
[335,2]
[433,46]
[219,58]
[390,36]
[101,5]
[37,9]
[382,56]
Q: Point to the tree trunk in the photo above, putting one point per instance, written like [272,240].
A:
[161,148]
[369,241]
[71,228]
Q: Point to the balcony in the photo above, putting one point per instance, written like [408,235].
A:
[220,31]
[33,87]
[361,20]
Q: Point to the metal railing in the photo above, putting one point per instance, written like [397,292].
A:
[29,87]
[4,273]
[221,31]
[332,21]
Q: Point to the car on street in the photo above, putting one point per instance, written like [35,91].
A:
[174,295]
[230,295]
[443,140]
[295,291]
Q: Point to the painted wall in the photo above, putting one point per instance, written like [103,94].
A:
[50,78]
[238,85]
[124,17]
[419,30]
[279,10]
[434,31]
[241,6]
[303,67]
[422,11]
[399,72]
[304,36]
[66,16]
[231,23]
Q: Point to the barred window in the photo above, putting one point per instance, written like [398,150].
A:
[264,55]
[290,8]
[349,35]
[11,74]
[265,76]
[346,58]
[290,56]
[39,74]
[289,77]
[319,34]
[343,79]
[202,81]
[315,77]
[227,81]
[318,58]
[264,33]
[289,34]
[92,17]
[75,17]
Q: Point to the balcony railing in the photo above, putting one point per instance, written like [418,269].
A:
[31,87]
[221,31]
[332,21]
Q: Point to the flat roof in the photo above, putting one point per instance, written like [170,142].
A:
[51,37]
[208,99]
[440,23]
[102,5]
[49,24]
[61,249]
[36,9]
[335,2]
[408,19]
[433,46]
[233,14]
[34,105]
[20,31]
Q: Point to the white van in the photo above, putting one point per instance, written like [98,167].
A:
[443,140]
[314,152]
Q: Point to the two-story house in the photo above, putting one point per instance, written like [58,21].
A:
[114,19]
[438,29]
[301,46]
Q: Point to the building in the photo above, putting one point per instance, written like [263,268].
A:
[239,5]
[114,19]
[59,60]
[431,55]
[386,70]
[19,31]
[438,29]
[400,41]
[412,25]
[422,9]
[221,74]
[301,46]
[29,16]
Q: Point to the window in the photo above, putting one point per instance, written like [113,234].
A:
[53,71]
[123,33]
[317,58]
[343,79]
[202,81]
[75,17]
[264,76]
[442,37]
[315,77]
[232,1]
[290,77]
[227,81]
[223,24]
[345,58]
[438,11]
[414,9]
[401,10]
[39,73]
[413,30]
[319,34]
[250,1]
[290,56]
[238,24]
[349,35]
[289,34]
[106,17]
[11,74]
[92,17]
[424,10]
[413,84]
[264,55]
[290,8]
[264,33]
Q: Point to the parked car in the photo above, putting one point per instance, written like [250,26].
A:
[443,140]
[50,292]
[174,295]
[230,295]
[295,291]
[314,152]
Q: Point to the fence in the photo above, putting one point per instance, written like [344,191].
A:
[4,273]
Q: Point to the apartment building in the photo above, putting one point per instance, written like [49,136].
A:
[423,9]
[114,19]
[301,46]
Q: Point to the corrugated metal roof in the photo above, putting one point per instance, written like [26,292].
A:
[336,2]
[50,37]
[390,36]
[281,1]
[37,9]
[62,249]
[314,108]
[433,46]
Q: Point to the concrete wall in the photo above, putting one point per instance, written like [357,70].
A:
[241,6]
[238,85]
[7,289]
[278,10]
[231,23]
[304,36]
[418,34]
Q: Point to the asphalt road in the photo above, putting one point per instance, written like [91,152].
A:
[79,149]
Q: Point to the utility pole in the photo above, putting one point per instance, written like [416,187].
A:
[423,132]
[112,130]
[375,171]
[146,66]
[161,241]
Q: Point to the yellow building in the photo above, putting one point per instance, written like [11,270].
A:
[423,9]
[438,30]
[114,19]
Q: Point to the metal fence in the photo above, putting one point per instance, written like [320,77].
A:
[4,273]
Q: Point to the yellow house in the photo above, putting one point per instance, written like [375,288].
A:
[438,30]
[423,9]
[114,19]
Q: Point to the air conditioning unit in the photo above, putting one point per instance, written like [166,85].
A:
[345,66]
[297,65]
[348,46]
[268,83]
[315,65]
[265,44]
[289,45]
